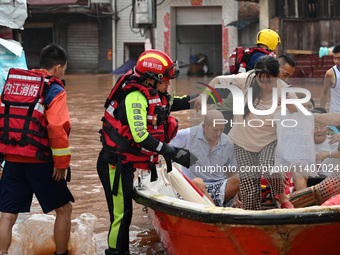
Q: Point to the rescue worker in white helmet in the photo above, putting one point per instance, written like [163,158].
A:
[136,128]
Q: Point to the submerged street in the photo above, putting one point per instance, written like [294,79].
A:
[86,95]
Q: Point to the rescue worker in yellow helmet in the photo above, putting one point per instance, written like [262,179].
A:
[268,40]
[136,128]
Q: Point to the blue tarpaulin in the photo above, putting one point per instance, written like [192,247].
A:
[125,67]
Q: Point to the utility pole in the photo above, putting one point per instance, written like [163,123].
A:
[264,14]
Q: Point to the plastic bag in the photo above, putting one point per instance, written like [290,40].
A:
[295,150]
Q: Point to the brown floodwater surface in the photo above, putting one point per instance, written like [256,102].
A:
[86,95]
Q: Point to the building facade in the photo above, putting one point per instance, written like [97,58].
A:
[185,29]
[101,35]
[82,27]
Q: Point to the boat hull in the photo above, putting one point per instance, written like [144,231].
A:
[181,236]
[190,228]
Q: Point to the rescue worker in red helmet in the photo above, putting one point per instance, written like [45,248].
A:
[136,128]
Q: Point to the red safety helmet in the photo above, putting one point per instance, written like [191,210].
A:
[157,65]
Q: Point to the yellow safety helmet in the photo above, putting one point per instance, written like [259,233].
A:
[268,38]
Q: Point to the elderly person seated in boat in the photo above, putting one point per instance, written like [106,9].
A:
[216,159]
[321,192]
[327,156]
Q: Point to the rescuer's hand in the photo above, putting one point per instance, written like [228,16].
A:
[184,157]
[197,103]
[179,155]
[58,174]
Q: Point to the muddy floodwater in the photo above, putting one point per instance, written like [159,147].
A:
[86,95]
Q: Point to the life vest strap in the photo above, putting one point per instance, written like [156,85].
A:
[154,176]
[42,148]
[6,123]
[28,132]
[15,116]
[122,141]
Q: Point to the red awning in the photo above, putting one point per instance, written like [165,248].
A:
[51,2]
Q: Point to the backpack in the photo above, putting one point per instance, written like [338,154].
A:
[239,58]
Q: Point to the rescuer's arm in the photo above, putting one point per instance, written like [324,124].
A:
[136,111]
[58,130]
[182,103]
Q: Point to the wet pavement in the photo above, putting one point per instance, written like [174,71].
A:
[86,97]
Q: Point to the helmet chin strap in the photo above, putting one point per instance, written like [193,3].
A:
[147,83]
[153,76]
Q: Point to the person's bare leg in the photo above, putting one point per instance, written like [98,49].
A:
[201,186]
[283,198]
[300,181]
[62,228]
[7,221]
[233,186]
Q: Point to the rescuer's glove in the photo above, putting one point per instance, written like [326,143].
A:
[181,156]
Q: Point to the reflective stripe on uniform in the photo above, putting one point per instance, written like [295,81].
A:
[143,149]
[15,106]
[24,77]
[159,147]
[137,129]
[136,106]
[139,123]
[110,109]
[61,152]
[140,134]
[153,101]
[39,107]
[152,55]
[136,117]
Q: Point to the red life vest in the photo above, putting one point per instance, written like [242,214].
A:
[117,138]
[22,114]
[239,58]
